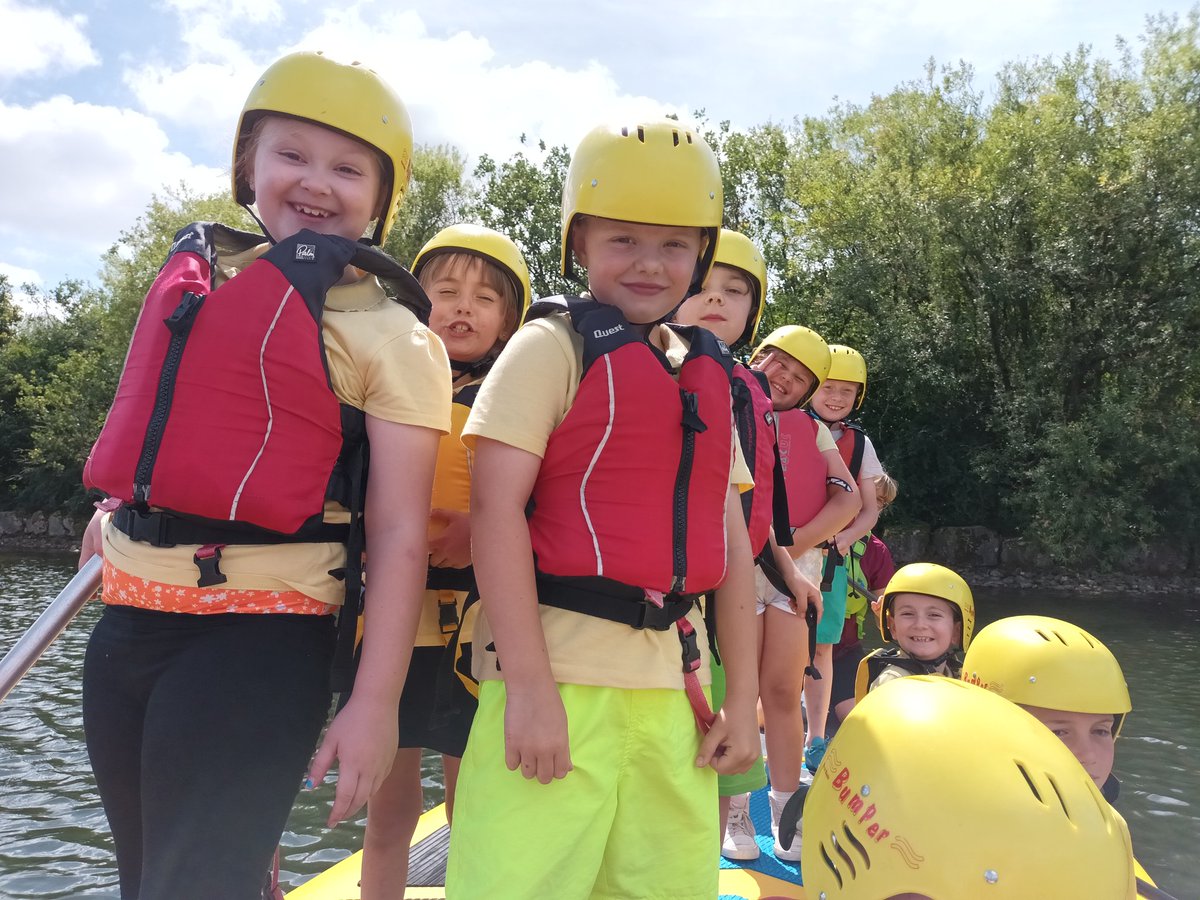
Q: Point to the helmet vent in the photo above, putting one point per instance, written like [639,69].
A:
[846,857]
[1087,640]
[675,138]
[829,863]
[624,132]
[689,137]
[857,845]
[1029,781]
[641,134]
[1057,793]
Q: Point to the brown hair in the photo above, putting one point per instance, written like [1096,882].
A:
[456,263]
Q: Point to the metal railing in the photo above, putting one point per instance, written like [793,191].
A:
[41,634]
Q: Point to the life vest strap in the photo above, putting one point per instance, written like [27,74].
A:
[444,578]
[612,600]
[164,529]
[691,682]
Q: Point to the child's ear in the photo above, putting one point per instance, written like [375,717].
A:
[576,241]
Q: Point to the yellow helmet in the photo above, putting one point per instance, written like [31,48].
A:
[933,581]
[1040,661]
[935,787]
[802,344]
[351,99]
[737,251]
[490,245]
[656,173]
[847,364]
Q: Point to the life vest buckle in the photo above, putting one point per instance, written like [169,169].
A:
[447,616]
[207,560]
[689,646]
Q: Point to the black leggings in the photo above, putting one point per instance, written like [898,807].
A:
[200,730]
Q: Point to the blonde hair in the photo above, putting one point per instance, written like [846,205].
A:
[886,489]
[457,263]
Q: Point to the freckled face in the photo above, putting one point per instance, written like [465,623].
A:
[307,176]
[1089,736]
[923,626]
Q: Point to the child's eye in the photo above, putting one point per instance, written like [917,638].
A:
[350,170]
[290,154]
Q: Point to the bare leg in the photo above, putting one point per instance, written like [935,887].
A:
[781,681]
[450,765]
[816,693]
[392,814]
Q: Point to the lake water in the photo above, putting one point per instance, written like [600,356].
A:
[54,840]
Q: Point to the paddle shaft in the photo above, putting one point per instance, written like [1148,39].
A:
[41,634]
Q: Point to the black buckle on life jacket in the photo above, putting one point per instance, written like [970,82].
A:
[688,644]
[691,412]
[447,616]
[207,560]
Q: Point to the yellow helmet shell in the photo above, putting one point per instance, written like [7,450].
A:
[486,243]
[802,344]
[933,581]
[656,173]
[349,98]
[936,787]
[1041,661]
[737,251]
[847,364]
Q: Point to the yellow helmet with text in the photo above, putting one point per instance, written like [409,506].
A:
[847,364]
[931,580]
[349,98]
[488,244]
[802,344]
[737,251]
[933,786]
[657,172]
[1046,662]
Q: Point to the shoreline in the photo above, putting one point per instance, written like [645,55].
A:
[982,556]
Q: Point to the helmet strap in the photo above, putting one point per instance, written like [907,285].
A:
[254,216]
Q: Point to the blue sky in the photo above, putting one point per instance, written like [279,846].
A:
[104,103]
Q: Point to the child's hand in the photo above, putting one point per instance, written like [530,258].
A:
[452,548]
[363,739]
[875,604]
[535,734]
[92,543]
[806,593]
[844,541]
[732,744]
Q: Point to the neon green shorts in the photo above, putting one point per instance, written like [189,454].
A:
[754,777]
[635,818]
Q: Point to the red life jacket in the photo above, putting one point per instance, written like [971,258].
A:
[634,480]
[804,468]
[851,445]
[224,411]
[766,502]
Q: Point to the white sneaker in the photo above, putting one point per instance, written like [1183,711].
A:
[793,853]
[738,841]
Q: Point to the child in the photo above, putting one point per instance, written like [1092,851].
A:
[821,499]
[730,306]
[929,611]
[593,459]
[870,565]
[1062,675]
[237,531]
[478,284]
[832,403]
[936,788]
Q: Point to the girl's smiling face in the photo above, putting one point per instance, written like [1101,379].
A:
[307,176]
[923,626]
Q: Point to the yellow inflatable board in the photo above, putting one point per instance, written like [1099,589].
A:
[340,882]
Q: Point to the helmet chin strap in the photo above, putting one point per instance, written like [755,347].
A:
[254,216]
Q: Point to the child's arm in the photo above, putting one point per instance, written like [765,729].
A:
[864,521]
[363,735]
[535,722]
[840,509]
[732,743]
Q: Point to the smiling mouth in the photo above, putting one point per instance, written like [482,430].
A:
[460,329]
[310,211]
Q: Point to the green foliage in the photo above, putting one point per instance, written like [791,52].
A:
[438,196]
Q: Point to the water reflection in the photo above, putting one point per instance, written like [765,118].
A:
[54,840]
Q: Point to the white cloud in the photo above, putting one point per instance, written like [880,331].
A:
[454,90]
[36,40]
[85,173]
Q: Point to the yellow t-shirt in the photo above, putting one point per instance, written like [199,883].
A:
[526,395]
[381,360]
